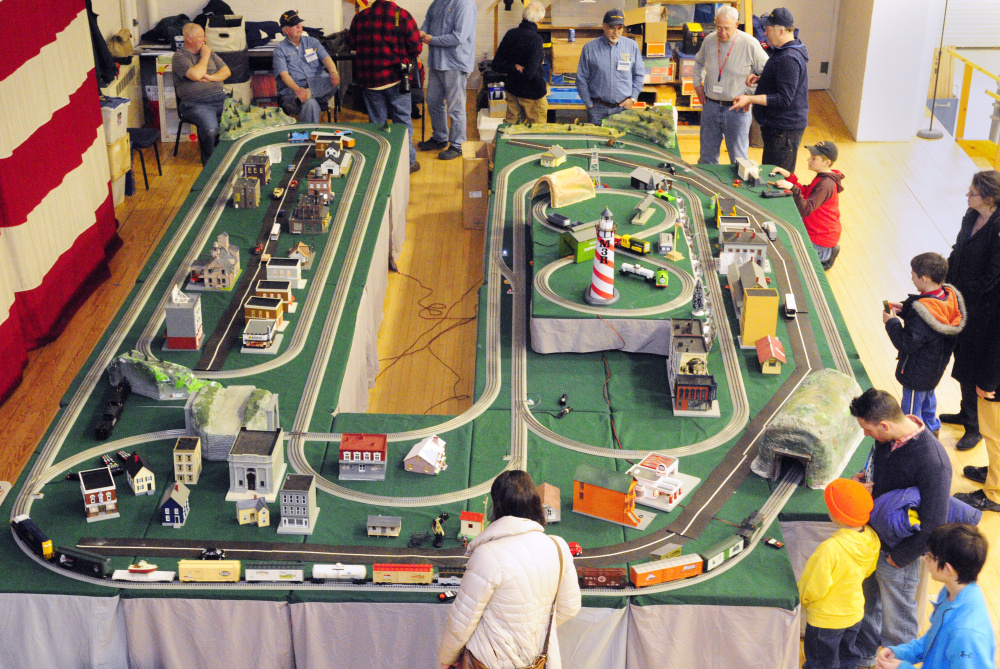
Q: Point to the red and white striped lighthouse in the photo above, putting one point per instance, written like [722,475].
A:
[602,284]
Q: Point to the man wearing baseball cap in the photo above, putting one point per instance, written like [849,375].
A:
[781,102]
[298,63]
[609,76]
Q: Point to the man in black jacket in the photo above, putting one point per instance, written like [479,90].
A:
[520,56]
[781,103]
[906,455]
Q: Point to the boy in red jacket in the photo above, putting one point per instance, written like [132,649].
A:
[818,203]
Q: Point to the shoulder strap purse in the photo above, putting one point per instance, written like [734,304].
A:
[539,662]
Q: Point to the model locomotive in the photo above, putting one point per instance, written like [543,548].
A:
[73,559]
[113,411]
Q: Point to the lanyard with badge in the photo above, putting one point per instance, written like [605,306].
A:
[625,62]
[722,63]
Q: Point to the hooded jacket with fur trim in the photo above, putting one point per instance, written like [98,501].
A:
[502,609]
[926,337]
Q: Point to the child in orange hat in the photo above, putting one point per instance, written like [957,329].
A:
[830,587]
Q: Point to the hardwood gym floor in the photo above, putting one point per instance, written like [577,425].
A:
[901,199]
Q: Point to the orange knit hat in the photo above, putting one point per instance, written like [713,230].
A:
[849,502]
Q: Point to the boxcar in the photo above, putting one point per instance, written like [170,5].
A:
[601,577]
[83,562]
[32,535]
[292,573]
[722,551]
[208,571]
[403,573]
[662,571]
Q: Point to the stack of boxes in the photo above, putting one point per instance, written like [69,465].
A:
[656,28]
[115,113]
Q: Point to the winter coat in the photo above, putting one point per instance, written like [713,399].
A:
[819,206]
[830,587]
[974,269]
[895,515]
[522,46]
[502,609]
[960,637]
[926,337]
[785,82]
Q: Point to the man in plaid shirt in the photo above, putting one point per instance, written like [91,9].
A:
[385,36]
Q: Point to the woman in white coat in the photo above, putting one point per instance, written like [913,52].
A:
[500,616]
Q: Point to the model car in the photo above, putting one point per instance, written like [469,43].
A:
[293,184]
[290,168]
[559,220]
[664,195]
[446,596]
[773,543]
[278,192]
[213,553]
[575,549]
[281,213]
[257,250]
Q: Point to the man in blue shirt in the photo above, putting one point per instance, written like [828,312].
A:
[449,29]
[609,76]
[306,74]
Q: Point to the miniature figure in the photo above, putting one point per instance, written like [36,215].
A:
[438,529]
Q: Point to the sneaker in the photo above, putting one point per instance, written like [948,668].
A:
[450,153]
[828,263]
[951,418]
[968,441]
[432,145]
[414,167]
[973,473]
[978,500]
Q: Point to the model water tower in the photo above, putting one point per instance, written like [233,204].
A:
[602,289]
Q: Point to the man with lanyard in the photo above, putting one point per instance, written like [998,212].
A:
[906,455]
[449,29]
[298,63]
[781,104]
[386,39]
[609,76]
[724,61]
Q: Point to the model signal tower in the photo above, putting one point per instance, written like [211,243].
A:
[595,168]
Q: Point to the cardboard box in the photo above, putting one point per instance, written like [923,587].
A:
[637,38]
[566,55]
[655,49]
[647,14]
[475,184]
[687,86]
[115,113]
[498,108]
[487,126]
[119,157]
[118,190]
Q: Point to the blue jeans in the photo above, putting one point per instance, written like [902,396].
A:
[781,147]
[831,648]
[923,404]
[823,252]
[890,608]
[446,102]
[308,111]
[717,122]
[599,112]
[381,103]
[205,114]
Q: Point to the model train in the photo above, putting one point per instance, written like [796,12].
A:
[73,559]
[32,535]
[113,411]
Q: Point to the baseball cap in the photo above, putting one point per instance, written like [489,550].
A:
[778,17]
[849,502]
[614,17]
[290,18]
[828,149]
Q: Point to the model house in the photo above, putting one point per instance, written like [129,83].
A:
[742,276]
[260,333]
[470,524]
[100,497]
[554,157]
[278,288]
[770,354]
[745,242]
[285,268]
[337,163]
[759,315]
[318,183]
[304,253]
[606,494]
[253,511]
[724,206]
[362,457]
[384,526]
[246,193]
[258,167]
[175,505]
[185,330]
[256,464]
[643,178]
[310,216]
[551,502]
[298,505]
[268,308]
[187,459]
[140,478]
[220,270]
[426,457]
[656,481]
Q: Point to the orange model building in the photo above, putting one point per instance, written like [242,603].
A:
[605,494]
[759,316]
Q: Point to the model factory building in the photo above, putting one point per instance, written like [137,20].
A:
[606,494]
[185,330]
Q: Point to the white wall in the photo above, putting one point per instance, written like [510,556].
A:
[972,23]
[848,70]
[818,30]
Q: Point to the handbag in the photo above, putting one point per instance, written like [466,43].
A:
[120,44]
[469,661]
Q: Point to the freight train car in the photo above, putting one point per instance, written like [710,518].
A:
[275,573]
[663,571]
[339,573]
[208,571]
[403,573]
[601,577]
[83,562]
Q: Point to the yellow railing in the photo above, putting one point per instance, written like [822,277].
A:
[987,147]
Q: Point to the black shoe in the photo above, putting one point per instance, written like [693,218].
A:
[828,263]
[432,145]
[951,418]
[937,432]
[450,153]
[973,473]
[414,167]
[978,500]
[968,441]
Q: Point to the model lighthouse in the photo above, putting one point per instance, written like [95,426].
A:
[602,284]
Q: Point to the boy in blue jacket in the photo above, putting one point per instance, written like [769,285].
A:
[961,634]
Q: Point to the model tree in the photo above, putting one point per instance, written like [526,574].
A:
[698,299]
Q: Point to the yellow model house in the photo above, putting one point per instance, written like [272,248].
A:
[770,354]
[554,157]
[253,511]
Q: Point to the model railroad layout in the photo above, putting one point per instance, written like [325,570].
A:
[507,275]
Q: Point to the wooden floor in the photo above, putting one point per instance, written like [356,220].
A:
[901,199]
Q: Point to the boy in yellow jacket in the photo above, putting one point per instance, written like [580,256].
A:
[830,587]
